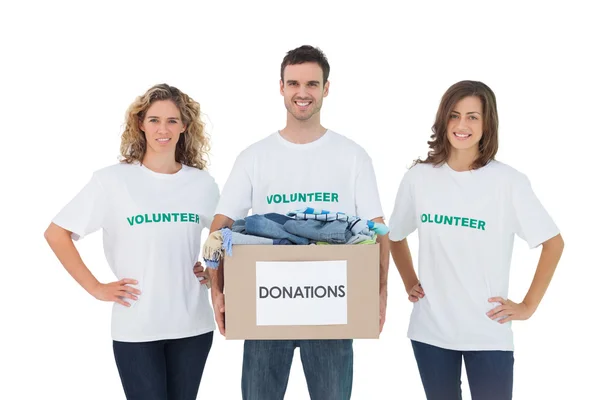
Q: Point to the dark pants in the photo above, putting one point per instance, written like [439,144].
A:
[490,373]
[327,367]
[163,369]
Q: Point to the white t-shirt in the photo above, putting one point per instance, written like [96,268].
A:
[151,226]
[466,222]
[274,175]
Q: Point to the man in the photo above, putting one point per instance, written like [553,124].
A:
[304,164]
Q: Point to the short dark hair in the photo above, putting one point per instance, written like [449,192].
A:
[305,54]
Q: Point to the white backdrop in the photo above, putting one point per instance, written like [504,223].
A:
[69,71]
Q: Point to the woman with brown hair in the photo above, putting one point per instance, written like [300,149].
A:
[467,207]
[152,208]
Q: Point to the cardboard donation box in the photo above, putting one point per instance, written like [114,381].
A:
[302,292]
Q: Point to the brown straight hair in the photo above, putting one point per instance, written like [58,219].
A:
[439,144]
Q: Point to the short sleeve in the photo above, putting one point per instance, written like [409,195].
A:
[531,221]
[236,198]
[85,213]
[404,216]
[368,204]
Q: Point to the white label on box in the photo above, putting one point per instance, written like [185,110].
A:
[301,293]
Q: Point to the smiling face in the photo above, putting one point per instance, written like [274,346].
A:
[162,126]
[303,90]
[465,124]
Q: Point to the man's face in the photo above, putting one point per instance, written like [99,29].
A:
[303,89]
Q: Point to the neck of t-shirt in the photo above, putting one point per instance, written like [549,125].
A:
[305,145]
[462,160]
[161,164]
[302,132]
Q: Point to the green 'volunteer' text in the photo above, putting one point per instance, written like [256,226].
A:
[163,217]
[455,221]
[326,197]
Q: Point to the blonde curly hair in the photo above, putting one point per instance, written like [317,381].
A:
[193,145]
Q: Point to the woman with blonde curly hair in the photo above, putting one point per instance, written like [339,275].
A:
[152,208]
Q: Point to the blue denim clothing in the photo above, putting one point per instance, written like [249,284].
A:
[317,230]
[334,232]
[363,226]
[259,225]
[327,364]
[230,238]
[490,373]
[239,226]
[162,369]
[240,238]
[279,218]
[282,242]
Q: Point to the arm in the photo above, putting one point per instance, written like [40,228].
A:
[216,276]
[403,260]
[62,245]
[384,265]
[551,252]
[384,258]
[404,263]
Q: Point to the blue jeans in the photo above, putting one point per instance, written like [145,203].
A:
[490,373]
[259,225]
[163,369]
[327,367]
[334,232]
